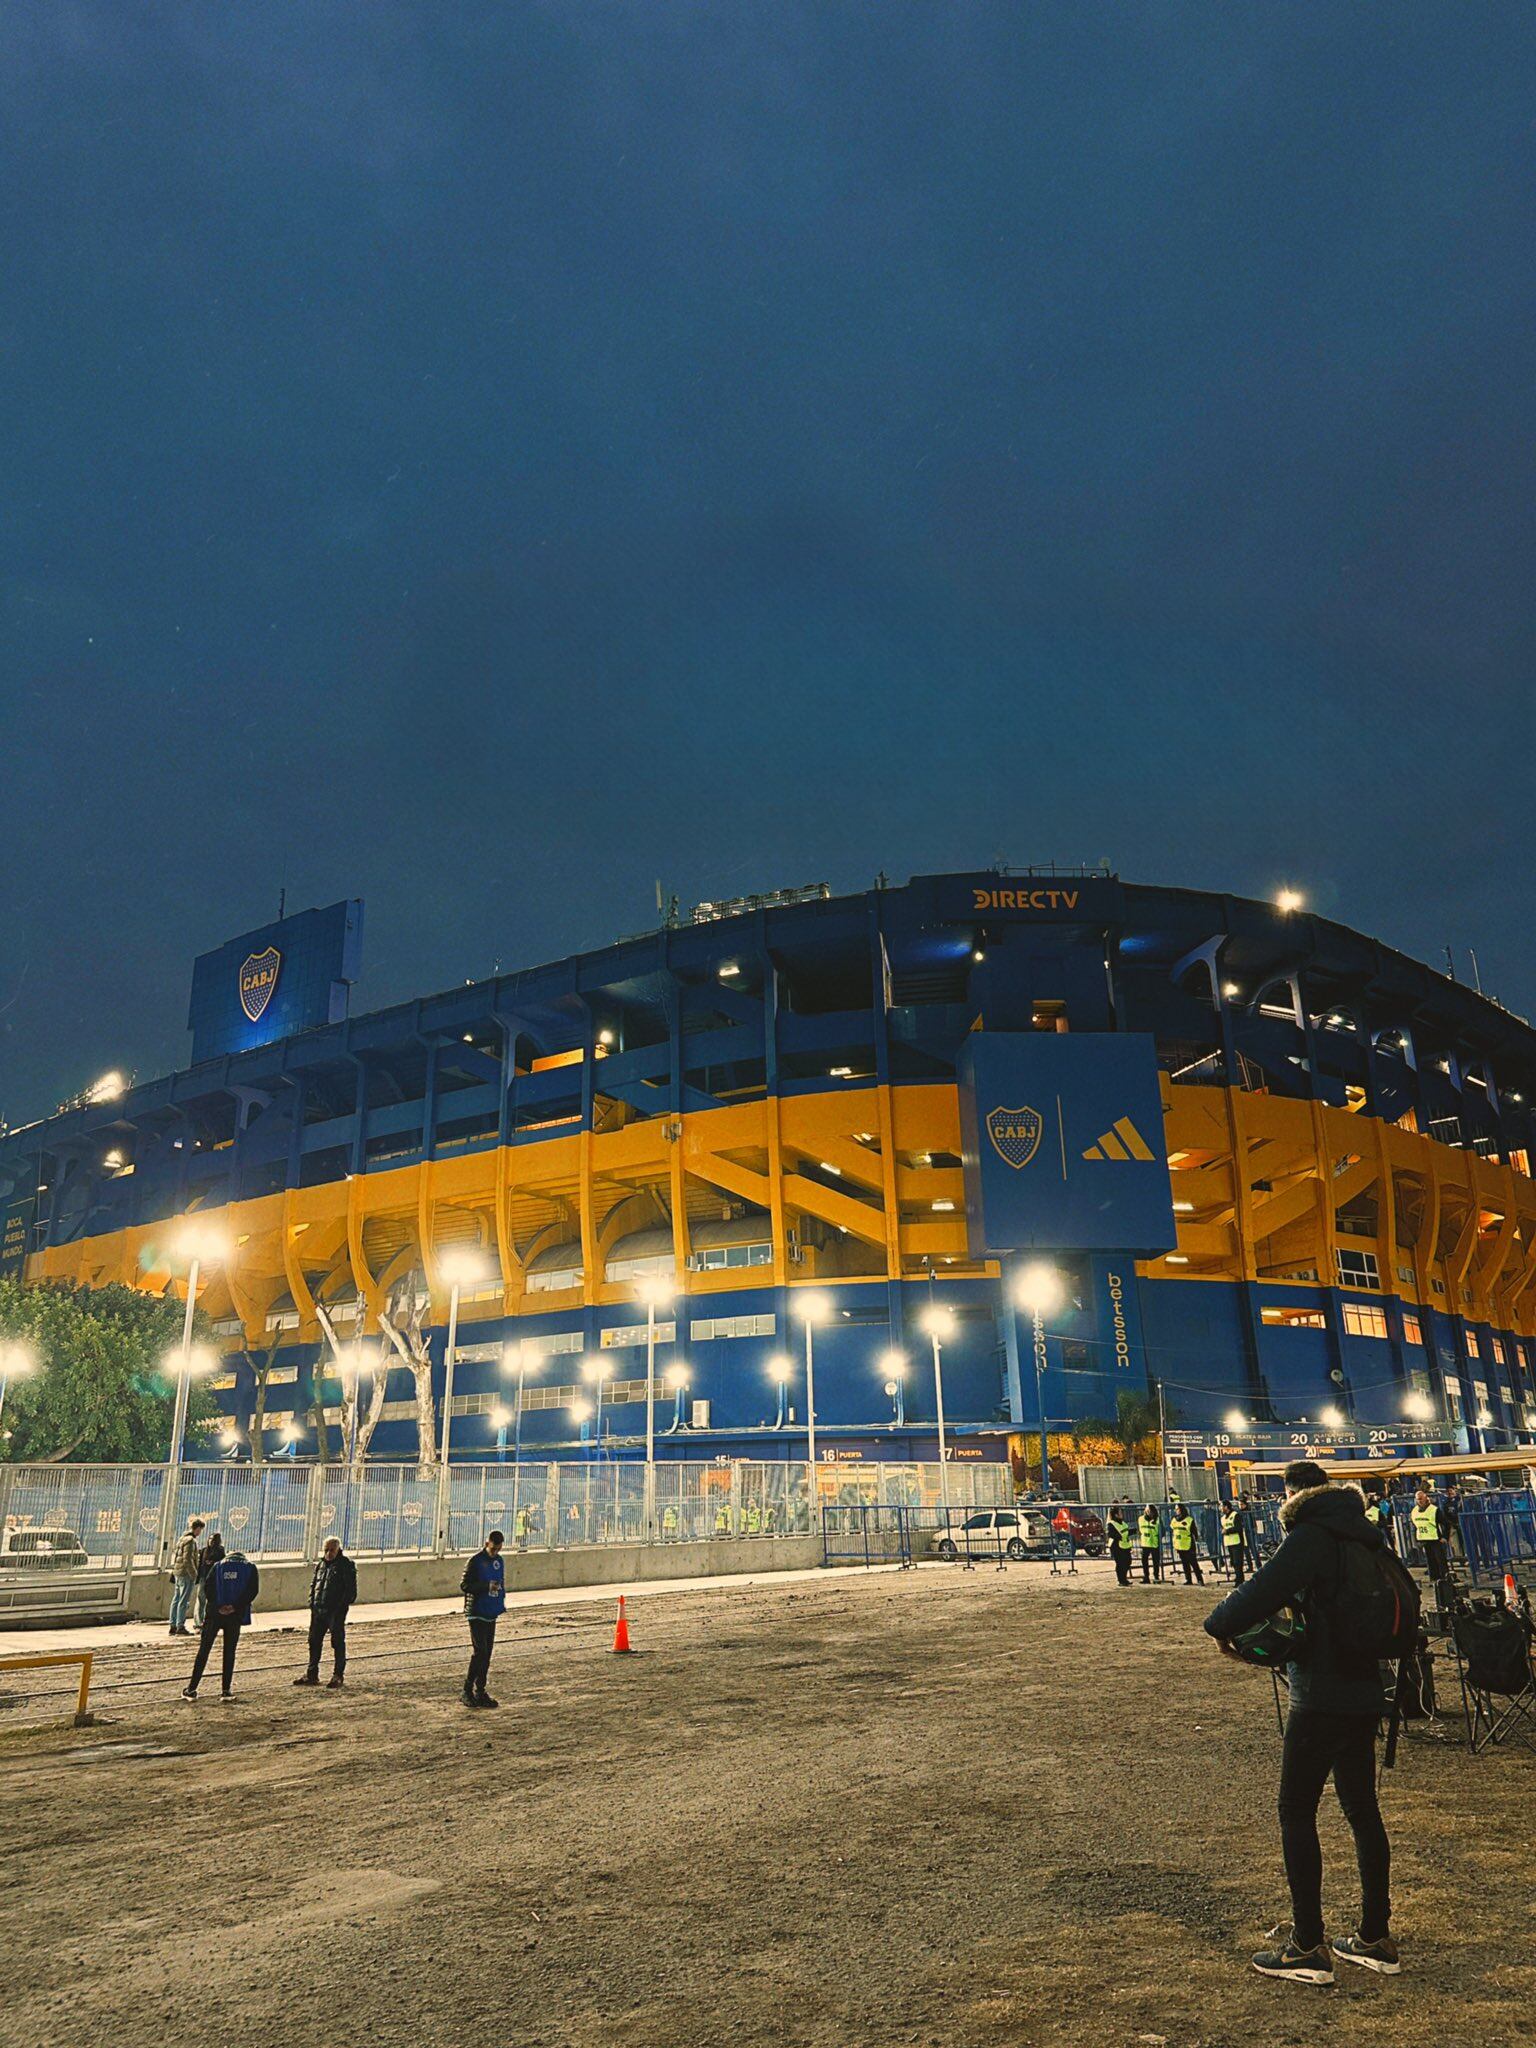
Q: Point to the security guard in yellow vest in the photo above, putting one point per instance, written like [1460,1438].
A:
[1182,1528]
[1149,1531]
[669,1524]
[1118,1530]
[1379,1511]
[1232,1542]
[725,1524]
[1430,1533]
[751,1519]
[521,1528]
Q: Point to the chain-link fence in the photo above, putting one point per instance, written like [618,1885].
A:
[63,1519]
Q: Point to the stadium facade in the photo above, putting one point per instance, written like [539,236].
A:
[1278,1167]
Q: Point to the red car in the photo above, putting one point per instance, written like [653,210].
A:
[1086,1528]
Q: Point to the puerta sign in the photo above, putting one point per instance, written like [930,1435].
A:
[1062,1143]
[1297,1439]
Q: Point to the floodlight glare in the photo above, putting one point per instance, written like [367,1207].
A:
[500,1416]
[812,1308]
[463,1266]
[677,1376]
[781,1369]
[1287,900]
[1038,1290]
[938,1321]
[1332,1417]
[1234,1419]
[893,1364]
[655,1290]
[581,1411]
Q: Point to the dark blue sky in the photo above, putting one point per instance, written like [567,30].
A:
[485,457]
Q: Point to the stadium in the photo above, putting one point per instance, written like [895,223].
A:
[1273,1168]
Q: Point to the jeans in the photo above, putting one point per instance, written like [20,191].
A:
[1345,1745]
[227,1625]
[1193,1576]
[482,1640]
[1151,1561]
[333,1625]
[182,1590]
[1122,1566]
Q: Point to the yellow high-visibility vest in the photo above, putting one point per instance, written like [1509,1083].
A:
[1426,1523]
[1184,1532]
[1151,1532]
[1232,1532]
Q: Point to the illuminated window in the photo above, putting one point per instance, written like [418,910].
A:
[1498,1350]
[1474,1349]
[1294,1318]
[1364,1319]
[1413,1329]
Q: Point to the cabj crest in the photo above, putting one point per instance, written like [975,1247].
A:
[1015,1134]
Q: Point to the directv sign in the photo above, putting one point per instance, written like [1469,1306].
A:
[287,977]
[1063,1143]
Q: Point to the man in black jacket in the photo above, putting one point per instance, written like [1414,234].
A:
[332,1590]
[1336,1701]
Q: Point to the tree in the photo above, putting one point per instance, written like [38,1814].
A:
[403,1322]
[1129,1429]
[101,1391]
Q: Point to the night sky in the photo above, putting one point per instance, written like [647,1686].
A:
[484,458]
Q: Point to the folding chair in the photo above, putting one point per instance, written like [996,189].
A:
[1498,1679]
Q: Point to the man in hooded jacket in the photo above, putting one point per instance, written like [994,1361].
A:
[1336,1700]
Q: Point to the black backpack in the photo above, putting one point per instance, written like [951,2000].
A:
[1374,1611]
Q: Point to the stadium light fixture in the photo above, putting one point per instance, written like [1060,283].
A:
[109,1088]
[1418,1407]
[1331,1417]
[978,954]
[893,1364]
[17,1362]
[1484,1418]
[677,1376]
[812,1308]
[937,1321]
[605,1036]
[501,1415]
[580,1411]
[1288,900]
[781,1368]
[1230,990]
[655,1290]
[461,1265]
[1038,1289]
[1235,1420]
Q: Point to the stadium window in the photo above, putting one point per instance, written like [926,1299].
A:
[1474,1349]
[1048,1014]
[625,1336]
[708,1327]
[1413,1329]
[1358,1269]
[1364,1319]
[1294,1318]
[715,1257]
[1498,1350]
[554,1281]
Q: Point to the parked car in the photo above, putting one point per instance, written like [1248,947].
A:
[55,1550]
[1087,1528]
[1016,1532]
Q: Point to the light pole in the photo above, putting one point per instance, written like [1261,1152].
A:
[16,1361]
[200,1245]
[461,1267]
[501,1415]
[939,1322]
[894,1365]
[594,1371]
[781,1371]
[517,1356]
[811,1309]
[655,1293]
[1039,1291]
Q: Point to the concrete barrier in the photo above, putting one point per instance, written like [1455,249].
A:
[436,1578]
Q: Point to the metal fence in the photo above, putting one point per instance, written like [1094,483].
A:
[61,1522]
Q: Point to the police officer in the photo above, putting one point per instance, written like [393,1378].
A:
[233,1584]
[1149,1530]
[1183,1530]
[1232,1541]
[1118,1530]
[485,1597]
[1430,1533]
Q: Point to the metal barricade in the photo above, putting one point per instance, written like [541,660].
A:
[868,1533]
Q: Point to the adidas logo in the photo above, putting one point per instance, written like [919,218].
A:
[1123,1142]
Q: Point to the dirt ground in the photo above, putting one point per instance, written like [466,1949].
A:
[945,1809]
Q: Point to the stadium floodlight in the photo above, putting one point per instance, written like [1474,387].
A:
[812,1308]
[501,1415]
[1419,1406]
[1331,1417]
[1235,1420]
[17,1360]
[580,1411]
[1230,990]
[893,1364]
[1484,1418]
[1039,1289]
[1288,900]
[678,1376]
[781,1368]
[656,1290]
[937,1322]
[109,1088]
[463,1265]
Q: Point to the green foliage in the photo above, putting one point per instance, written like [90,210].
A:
[1135,1419]
[100,1392]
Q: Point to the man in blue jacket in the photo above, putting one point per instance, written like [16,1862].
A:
[1336,1701]
[484,1588]
[233,1583]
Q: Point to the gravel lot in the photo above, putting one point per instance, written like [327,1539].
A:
[944,1807]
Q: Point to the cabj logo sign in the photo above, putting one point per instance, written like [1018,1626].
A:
[1015,1134]
[258,978]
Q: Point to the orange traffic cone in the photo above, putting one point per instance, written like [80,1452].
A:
[1511,1592]
[621,1631]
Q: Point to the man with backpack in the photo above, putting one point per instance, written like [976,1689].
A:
[233,1584]
[1357,1606]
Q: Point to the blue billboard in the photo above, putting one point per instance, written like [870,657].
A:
[285,977]
[1062,1143]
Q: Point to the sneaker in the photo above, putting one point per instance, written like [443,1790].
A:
[1301,1965]
[187,1693]
[225,1698]
[484,1700]
[470,1699]
[334,1684]
[309,1678]
[1380,1956]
